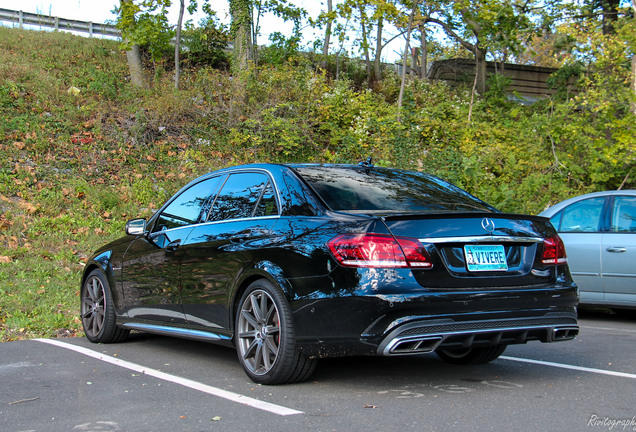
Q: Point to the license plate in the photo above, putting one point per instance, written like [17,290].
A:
[485,258]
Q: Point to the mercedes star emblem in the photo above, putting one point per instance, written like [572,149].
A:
[488,224]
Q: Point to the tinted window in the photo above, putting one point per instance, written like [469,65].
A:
[239,196]
[583,216]
[189,207]
[624,214]
[352,188]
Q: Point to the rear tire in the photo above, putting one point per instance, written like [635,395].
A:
[471,355]
[265,338]
[98,311]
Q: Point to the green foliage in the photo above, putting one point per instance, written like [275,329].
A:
[205,45]
[145,23]
[281,49]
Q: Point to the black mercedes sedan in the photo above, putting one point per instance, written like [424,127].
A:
[292,263]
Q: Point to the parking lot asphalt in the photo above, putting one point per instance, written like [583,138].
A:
[155,383]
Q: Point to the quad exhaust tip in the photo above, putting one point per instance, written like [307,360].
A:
[415,345]
[564,333]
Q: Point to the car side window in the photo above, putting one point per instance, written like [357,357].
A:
[189,207]
[583,216]
[624,215]
[244,195]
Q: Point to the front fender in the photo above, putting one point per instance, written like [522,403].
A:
[103,261]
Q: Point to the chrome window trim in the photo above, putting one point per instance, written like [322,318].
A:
[154,234]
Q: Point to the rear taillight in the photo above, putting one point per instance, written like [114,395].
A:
[379,250]
[554,251]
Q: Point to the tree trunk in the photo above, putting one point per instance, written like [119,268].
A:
[135,67]
[480,69]
[133,56]
[634,68]
[377,70]
[414,62]
[405,59]
[177,47]
[424,45]
[610,15]
[634,84]
[365,44]
[242,32]
[325,48]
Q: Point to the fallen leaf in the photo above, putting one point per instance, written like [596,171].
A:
[216,418]
[28,207]
[5,259]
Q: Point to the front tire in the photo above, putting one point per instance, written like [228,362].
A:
[98,311]
[465,356]
[265,338]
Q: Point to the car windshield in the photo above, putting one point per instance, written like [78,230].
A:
[387,190]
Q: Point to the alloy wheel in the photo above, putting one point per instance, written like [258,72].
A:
[93,306]
[259,332]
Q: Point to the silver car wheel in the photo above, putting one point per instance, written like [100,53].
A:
[259,332]
[93,309]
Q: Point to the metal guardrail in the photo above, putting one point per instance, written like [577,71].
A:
[57,23]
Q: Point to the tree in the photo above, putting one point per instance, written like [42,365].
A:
[329,17]
[241,30]
[142,23]
[634,60]
[481,26]
[245,27]
[356,11]
[406,53]
[371,15]
[177,45]
[385,11]
[192,7]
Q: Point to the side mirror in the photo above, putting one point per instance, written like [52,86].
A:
[136,226]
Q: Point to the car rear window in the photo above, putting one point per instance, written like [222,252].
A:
[382,189]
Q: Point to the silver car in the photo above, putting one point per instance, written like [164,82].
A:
[599,232]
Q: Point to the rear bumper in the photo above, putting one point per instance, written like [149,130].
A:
[401,320]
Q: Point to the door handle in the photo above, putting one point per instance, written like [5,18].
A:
[173,246]
[616,249]
[239,237]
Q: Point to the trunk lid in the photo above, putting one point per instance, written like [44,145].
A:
[479,250]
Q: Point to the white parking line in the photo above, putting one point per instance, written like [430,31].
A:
[612,329]
[234,397]
[572,367]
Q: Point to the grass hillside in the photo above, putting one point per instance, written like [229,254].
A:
[78,158]
[82,151]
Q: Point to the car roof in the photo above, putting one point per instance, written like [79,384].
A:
[551,211]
